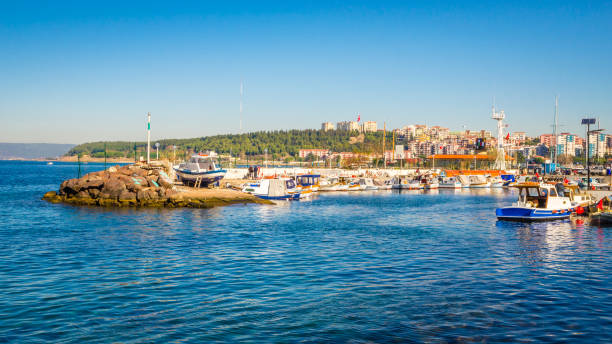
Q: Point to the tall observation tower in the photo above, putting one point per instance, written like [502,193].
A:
[500,160]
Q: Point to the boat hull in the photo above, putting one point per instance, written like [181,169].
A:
[279,198]
[207,177]
[531,214]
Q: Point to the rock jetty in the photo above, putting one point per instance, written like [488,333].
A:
[140,186]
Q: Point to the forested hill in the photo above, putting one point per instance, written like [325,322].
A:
[279,143]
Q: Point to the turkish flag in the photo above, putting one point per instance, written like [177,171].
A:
[358,117]
[508,136]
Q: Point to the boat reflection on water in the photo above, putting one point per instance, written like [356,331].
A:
[546,244]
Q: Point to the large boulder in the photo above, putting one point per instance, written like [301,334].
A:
[127,196]
[147,195]
[70,187]
[93,183]
[113,187]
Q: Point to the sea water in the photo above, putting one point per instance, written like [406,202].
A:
[343,267]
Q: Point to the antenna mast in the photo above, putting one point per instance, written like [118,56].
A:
[500,160]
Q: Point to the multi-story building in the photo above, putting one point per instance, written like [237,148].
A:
[370,127]
[319,153]
[347,126]
[327,126]
[597,145]
[566,144]
[518,137]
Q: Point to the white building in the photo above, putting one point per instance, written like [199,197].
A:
[370,127]
[348,126]
[327,126]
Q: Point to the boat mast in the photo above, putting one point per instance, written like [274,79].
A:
[555,133]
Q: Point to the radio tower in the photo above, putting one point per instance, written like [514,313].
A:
[500,160]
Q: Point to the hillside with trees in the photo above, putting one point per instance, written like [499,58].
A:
[280,144]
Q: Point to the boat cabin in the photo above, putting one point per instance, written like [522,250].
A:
[308,179]
[201,163]
[544,196]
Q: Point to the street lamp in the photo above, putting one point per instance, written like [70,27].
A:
[157,151]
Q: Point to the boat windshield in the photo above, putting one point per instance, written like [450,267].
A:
[534,196]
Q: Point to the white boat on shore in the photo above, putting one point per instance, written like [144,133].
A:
[202,168]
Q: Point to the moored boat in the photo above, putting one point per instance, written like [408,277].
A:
[273,189]
[308,182]
[450,183]
[367,184]
[478,181]
[537,202]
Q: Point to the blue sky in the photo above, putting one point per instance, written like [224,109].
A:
[82,71]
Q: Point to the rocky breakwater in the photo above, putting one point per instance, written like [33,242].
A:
[139,186]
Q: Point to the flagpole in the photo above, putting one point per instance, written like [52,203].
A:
[148,137]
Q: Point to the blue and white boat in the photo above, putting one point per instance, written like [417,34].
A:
[202,167]
[537,202]
[273,189]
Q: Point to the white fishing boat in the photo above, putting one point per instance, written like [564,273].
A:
[464,180]
[386,185]
[450,183]
[202,168]
[330,184]
[478,182]
[308,182]
[496,182]
[367,184]
[537,202]
[430,183]
[273,189]
[406,183]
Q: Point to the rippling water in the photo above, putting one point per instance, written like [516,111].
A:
[363,267]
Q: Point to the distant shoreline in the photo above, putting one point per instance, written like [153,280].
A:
[73,159]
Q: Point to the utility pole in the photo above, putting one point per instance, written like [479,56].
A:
[383,145]
[148,137]
[393,156]
[105,155]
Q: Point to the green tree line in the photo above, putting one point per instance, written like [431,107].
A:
[280,143]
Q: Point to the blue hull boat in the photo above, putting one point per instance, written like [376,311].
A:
[530,214]
[538,202]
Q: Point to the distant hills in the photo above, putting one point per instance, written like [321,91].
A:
[33,150]
[279,144]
